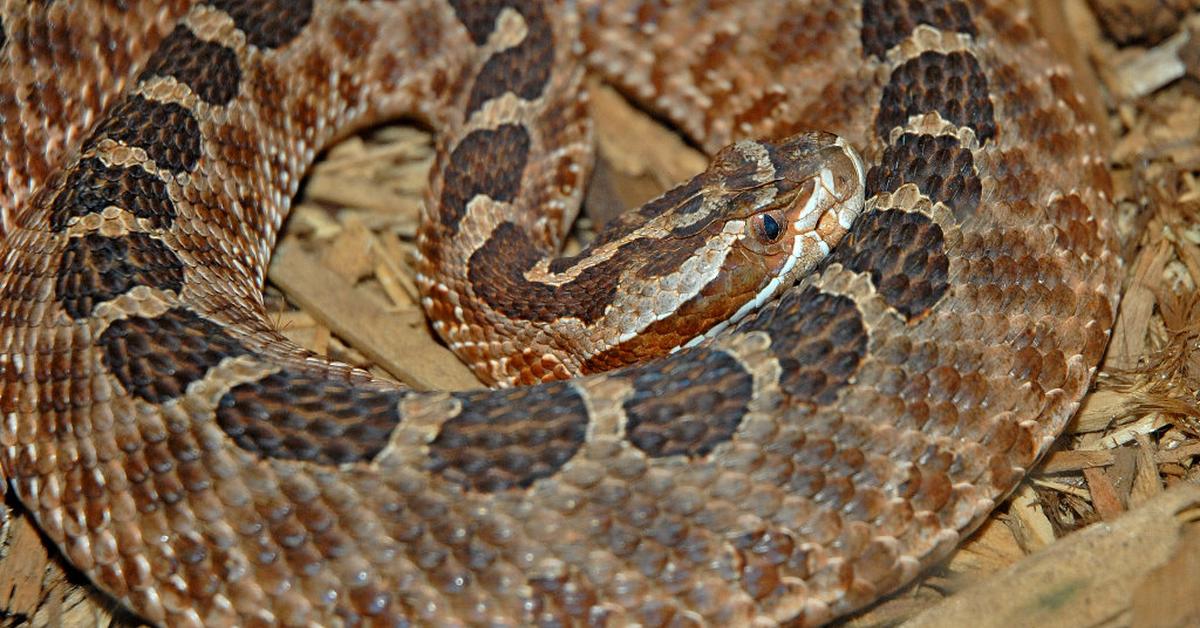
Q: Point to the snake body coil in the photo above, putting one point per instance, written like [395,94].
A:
[810,458]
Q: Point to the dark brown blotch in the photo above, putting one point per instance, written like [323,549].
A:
[353,33]
[487,161]
[687,404]
[497,271]
[156,358]
[523,69]
[886,23]
[904,252]
[167,131]
[300,416]
[819,339]
[502,441]
[940,167]
[209,69]
[951,84]
[479,16]
[268,23]
[96,268]
[91,186]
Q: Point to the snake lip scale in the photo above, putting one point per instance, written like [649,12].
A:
[796,464]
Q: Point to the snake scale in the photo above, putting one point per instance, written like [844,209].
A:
[801,463]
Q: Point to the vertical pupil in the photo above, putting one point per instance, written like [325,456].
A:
[770,227]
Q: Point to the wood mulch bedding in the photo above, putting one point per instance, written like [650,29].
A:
[1105,532]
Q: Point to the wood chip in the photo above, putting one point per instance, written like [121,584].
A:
[359,193]
[1179,454]
[394,341]
[1129,338]
[1104,495]
[1062,488]
[1028,522]
[633,143]
[351,254]
[1101,409]
[1074,460]
[24,558]
[1084,579]
[1146,482]
[393,255]
[1159,600]
[989,550]
[1144,72]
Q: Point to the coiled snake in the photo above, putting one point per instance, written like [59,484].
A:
[806,460]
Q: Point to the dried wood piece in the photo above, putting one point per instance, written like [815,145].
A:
[353,156]
[1141,21]
[360,193]
[23,559]
[1105,497]
[1146,482]
[1179,454]
[1088,578]
[392,286]
[1129,337]
[1074,460]
[1062,488]
[1122,471]
[311,221]
[352,253]
[1079,459]
[635,144]
[1141,72]
[1028,521]
[394,257]
[1159,600]
[1102,408]
[396,342]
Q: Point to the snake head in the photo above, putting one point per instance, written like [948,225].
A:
[788,203]
[707,253]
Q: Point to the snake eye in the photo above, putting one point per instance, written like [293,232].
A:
[768,228]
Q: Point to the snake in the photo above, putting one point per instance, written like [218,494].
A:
[773,395]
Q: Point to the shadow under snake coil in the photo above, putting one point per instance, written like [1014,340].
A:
[806,461]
